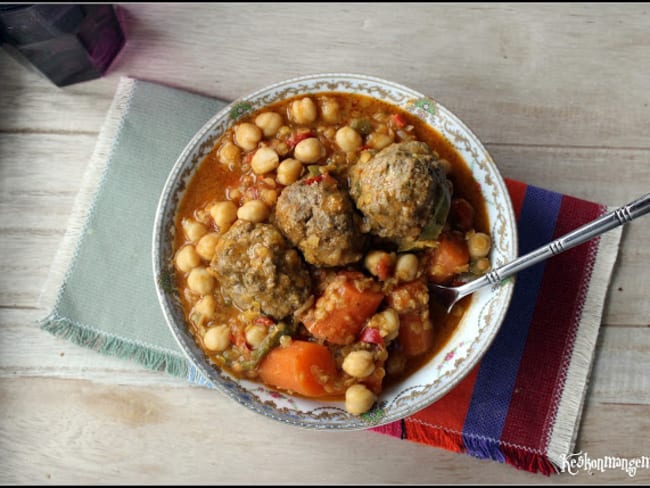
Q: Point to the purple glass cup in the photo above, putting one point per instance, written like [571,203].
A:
[66,43]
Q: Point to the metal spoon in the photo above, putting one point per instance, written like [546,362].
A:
[448,296]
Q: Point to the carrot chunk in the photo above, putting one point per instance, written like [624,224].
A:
[415,332]
[300,367]
[347,302]
[450,258]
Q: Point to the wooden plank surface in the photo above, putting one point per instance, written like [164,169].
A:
[572,75]
[559,95]
[94,433]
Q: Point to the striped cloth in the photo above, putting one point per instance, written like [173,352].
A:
[521,404]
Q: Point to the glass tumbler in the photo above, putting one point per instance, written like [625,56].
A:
[66,43]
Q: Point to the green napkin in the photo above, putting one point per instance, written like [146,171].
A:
[101,283]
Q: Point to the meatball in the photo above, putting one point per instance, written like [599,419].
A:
[318,217]
[257,269]
[402,192]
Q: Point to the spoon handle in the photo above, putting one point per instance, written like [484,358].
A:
[607,222]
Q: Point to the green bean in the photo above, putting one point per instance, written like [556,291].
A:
[271,341]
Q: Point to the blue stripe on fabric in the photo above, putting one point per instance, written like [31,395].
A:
[497,374]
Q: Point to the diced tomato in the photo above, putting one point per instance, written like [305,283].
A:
[294,139]
[238,337]
[398,120]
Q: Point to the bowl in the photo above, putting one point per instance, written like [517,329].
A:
[449,365]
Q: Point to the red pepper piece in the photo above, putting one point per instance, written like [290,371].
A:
[371,335]
[263,320]
[314,179]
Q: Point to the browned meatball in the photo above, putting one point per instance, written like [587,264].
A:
[319,218]
[400,190]
[258,270]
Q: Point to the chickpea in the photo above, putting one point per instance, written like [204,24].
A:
[283,132]
[217,338]
[193,230]
[478,244]
[202,216]
[379,141]
[200,281]
[268,196]
[406,268]
[269,122]
[289,171]
[230,154]
[359,364]
[387,322]
[282,148]
[206,245]
[254,211]
[186,258]
[330,111]
[206,307]
[380,263]
[348,139]
[247,136]
[309,150]
[265,160]
[365,156]
[359,399]
[255,334]
[328,132]
[224,214]
[303,111]
[381,128]
[480,266]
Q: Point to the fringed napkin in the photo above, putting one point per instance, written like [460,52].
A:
[521,405]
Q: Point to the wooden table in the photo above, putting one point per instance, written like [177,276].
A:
[559,94]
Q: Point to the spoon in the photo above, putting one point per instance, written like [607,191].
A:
[448,295]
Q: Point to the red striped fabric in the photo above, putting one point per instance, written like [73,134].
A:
[446,416]
[517,191]
[550,332]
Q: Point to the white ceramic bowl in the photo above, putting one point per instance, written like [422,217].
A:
[469,341]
